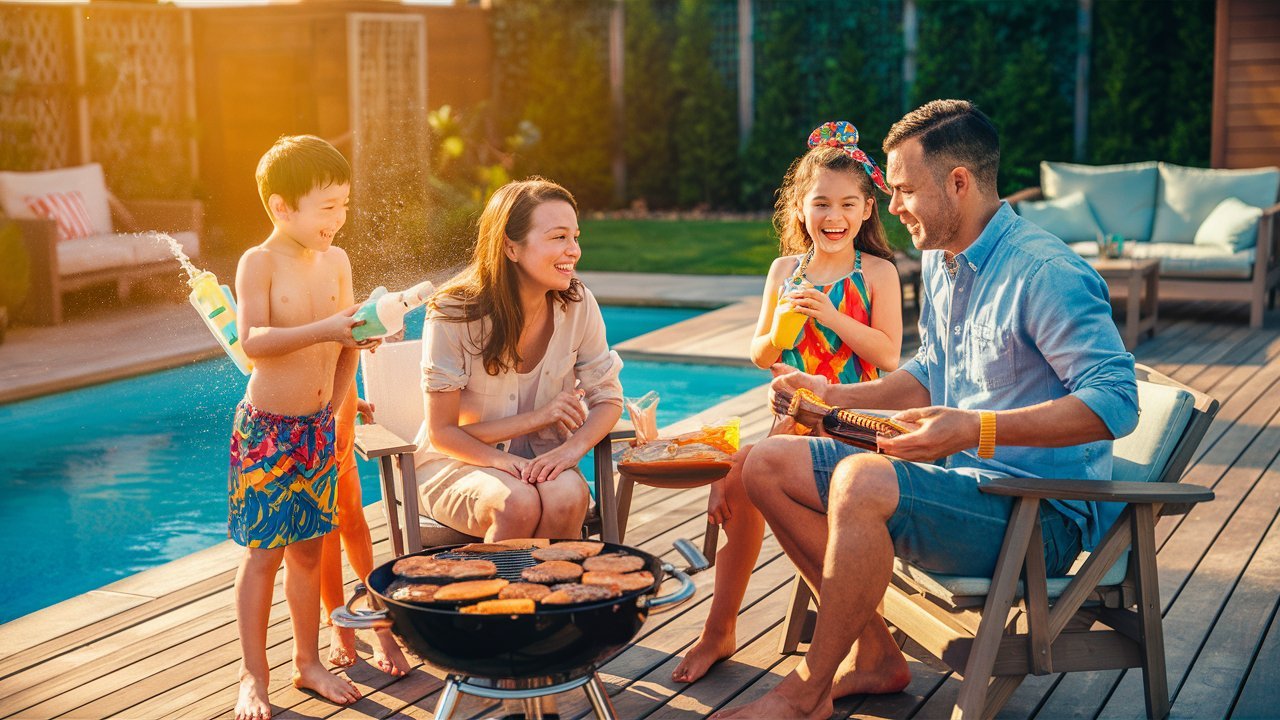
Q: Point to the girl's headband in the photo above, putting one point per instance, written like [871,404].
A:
[844,136]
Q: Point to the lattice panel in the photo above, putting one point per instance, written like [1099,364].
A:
[37,119]
[389,105]
[135,60]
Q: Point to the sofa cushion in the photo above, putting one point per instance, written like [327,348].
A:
[66,210]
[88,180]
[1232,224]
[151,247]
[1069,217]
[1183,260]
[1188,195]
[1123,197]
[100,252]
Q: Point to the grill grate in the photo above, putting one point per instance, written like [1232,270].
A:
[509,563]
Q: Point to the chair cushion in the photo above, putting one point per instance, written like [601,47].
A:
[66,210]
[1188,195]
[1232,224]
[88,180]
[956,588]
[1184,260]
[100,252]
[1141,455]
[1069,217]
[1123,197]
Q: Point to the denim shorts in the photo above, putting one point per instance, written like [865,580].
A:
[944,523]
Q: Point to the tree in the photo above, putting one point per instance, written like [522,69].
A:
[649,122]
[707,142]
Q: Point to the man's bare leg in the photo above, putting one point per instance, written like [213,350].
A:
[302,590]
[255,580]
[744,532]
[856,569]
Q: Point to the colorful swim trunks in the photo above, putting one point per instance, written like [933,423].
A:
[282,483]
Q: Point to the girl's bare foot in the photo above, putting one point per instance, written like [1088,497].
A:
[387,655]
[252,703]
[342,647]
[331,687]
[709,650]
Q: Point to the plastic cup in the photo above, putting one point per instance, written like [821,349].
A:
[787,324]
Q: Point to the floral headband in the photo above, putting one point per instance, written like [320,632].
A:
[844,136]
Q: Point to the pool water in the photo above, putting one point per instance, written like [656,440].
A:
[103,482]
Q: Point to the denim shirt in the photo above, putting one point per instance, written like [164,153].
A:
[1025,320]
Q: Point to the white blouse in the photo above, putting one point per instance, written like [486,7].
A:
[578,356]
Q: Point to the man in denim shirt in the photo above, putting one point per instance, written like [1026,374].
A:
[1020,372]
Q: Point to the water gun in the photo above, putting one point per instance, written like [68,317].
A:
[217,307]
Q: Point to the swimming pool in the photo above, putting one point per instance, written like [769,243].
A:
[106,481]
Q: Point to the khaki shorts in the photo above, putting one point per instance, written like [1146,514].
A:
[450,490]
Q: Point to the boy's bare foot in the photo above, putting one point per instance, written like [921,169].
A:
[329,686]
[253,703]
[709,650]
[342,647]
[889,674]
[387,655]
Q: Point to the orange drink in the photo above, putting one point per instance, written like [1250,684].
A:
[787,322]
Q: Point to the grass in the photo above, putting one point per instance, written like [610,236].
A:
[691,247]
[695,247]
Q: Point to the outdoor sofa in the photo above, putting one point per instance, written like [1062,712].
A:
[76,234]
[1214,231]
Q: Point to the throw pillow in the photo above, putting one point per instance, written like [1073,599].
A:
[1123,197]
[67,209]
[1188,195]
[1069,217]
[1232,224]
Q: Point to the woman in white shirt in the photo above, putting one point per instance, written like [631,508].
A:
[519,381]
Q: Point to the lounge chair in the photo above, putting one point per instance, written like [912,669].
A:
[1106,615]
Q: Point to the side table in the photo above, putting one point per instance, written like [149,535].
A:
[1141,279]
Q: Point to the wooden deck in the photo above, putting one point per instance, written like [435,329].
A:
[162,644]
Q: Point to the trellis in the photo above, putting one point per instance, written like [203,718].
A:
[111,83]
[387,72]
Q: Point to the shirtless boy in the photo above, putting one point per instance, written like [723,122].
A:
[296,309]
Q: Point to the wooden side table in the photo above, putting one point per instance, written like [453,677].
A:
[1141,278]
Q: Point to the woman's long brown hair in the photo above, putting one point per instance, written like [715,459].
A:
[793,238]
[487,287]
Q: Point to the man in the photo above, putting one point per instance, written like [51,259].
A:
[1020,372]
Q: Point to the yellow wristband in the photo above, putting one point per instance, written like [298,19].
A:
[986,434]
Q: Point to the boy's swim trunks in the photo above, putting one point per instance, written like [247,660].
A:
[282,483]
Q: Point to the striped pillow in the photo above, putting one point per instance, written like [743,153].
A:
[66,209]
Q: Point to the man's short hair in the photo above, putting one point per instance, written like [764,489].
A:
[298,164]
[953,133]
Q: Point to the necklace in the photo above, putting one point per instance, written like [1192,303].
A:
[953,263]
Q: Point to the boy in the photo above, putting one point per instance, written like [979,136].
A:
[295,320]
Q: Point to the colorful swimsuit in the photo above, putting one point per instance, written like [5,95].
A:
[282,483]
[820,351]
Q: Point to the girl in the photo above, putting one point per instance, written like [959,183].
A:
[518,378]
[833,249]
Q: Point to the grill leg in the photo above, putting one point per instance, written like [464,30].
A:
[599,698]
[533,709]
[448,699]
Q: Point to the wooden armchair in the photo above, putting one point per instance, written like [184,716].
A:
[392,381]
[995,631]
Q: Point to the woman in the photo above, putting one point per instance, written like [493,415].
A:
[519,381]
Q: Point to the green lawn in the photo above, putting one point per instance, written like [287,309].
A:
[694,247]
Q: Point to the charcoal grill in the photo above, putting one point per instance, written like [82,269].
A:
[520,657]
